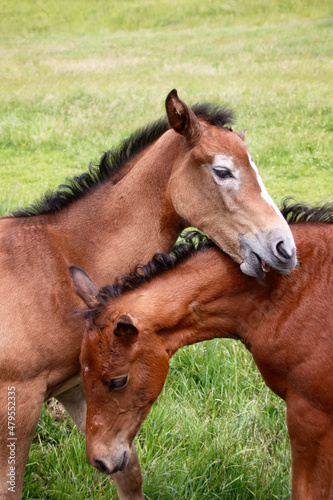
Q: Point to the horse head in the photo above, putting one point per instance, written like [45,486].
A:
[217,187]
[123,370]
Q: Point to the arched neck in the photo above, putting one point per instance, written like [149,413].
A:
[118,226]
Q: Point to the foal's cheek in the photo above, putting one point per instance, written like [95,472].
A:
[156,386]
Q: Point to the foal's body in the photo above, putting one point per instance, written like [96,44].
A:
[121,220]
[285,321]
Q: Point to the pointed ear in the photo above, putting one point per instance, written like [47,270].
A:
[241,134]
[124,327]
[182,119]
[85,287]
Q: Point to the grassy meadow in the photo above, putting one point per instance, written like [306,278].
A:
[78,77]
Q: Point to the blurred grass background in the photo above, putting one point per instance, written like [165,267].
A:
[76,78]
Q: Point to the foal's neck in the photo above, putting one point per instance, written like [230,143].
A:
[208,296]
[203,298]
[121,225]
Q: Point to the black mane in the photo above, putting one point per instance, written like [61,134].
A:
[160,263]
[297,213]
[113,160]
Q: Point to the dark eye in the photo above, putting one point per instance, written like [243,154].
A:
[223,173]
[117,383]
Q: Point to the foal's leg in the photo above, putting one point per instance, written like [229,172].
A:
[129,481]
[311,437]
[16,439]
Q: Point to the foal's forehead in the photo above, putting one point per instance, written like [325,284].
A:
[223,141]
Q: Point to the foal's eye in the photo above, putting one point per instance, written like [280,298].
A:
[223,173]
[117,383]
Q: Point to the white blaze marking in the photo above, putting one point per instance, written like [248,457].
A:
[264,192]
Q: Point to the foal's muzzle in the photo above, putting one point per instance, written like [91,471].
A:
[109,466]
[108,457]
[274,247]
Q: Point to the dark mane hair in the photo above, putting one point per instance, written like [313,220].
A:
[161,262]
[194,242]
[297,213]
[113,160]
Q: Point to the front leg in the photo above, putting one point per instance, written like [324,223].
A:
[311,437]
[74,400]
[129,481]
[20,407]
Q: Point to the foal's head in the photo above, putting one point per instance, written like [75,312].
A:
[123,373]
[217,187]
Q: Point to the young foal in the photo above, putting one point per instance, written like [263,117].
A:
[189,169]
[286,322]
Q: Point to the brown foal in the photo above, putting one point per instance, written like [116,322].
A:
[286,321]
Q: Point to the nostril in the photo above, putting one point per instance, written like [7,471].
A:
[282,251]
[101,466]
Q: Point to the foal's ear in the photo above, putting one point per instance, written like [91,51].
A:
[241,134]
[182,119]
[85,287]
[124,327]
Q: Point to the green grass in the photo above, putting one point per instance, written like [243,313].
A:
[223,433]
[81,16]
[76,78]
